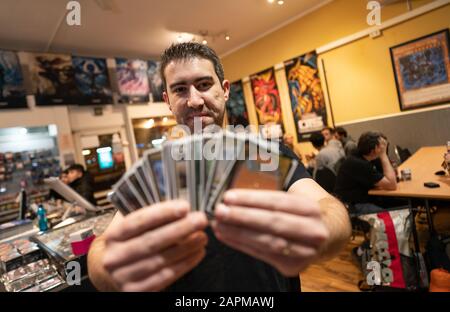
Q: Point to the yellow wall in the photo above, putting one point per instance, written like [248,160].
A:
[360,75]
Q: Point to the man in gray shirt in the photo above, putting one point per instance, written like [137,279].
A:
[329,156]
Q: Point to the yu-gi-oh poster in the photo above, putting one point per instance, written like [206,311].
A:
[236,109]
[155,81]
[12,90]
[53,79]
[92,79]
[305,91]
[422,70]
[267,102]
[133,80]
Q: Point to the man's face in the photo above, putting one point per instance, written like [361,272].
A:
[72,175]
[327,135]
[194,90]
[64,178]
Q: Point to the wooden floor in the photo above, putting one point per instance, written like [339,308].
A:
[337,275]
[342,275]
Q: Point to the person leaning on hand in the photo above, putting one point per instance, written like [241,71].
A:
[259,240]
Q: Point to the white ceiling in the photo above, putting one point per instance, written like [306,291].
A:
[140,28]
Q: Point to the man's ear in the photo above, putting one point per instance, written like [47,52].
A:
[166,99]
[226,89]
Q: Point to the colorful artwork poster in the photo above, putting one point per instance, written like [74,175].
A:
[305,92]
[132,80]
[92,80]
[12,90]
[267,103]
[236,109]
[53,79]
[422,71]
[155,81]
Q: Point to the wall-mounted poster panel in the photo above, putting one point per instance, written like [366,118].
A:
[236,109]
[53,79]
[267,103]
[132,80]
[92,80]
[155,81]
[305,91]
[12,90]
[422,71]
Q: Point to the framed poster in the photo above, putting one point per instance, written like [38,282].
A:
[12,90]
[305,92]
[422,71]
[133,80]
[236,109]
[53,79]
[267,103]
[155,81]
[92,80]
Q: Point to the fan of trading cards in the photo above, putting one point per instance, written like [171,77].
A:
[200,168]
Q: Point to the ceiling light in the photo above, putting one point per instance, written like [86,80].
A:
[149,123]
[227,38]
[280,2]
[271,1]
[204,41]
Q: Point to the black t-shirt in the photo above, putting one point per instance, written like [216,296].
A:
[355,178]
[226,269]
[83,186]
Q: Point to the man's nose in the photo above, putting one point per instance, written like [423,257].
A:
[195,99]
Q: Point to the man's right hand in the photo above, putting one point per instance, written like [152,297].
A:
[151,248]
[383,146]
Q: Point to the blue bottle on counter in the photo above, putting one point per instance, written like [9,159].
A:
[42,219]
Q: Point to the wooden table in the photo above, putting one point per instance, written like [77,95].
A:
[423,164]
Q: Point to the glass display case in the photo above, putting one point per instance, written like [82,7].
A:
[27,156]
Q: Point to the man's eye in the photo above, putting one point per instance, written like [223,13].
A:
[204,86]
[179,89]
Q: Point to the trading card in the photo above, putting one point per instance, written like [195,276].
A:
[145,186]
[178,172]
[212,152]
[154,173]
[127,194]
[117,202]
[137,190]
[232,149]
[168,170]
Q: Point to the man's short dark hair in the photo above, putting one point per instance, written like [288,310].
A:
[190,50]
[341,131]
[77,167]
[368,141]
[332,131]
[317,139]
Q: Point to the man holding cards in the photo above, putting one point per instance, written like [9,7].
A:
[259,240]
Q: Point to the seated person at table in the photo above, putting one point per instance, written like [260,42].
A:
[288,140]
[81,182]
[328,133]
[347,141]
[328,156]
[359,173]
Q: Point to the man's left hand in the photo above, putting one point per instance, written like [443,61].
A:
[278,228]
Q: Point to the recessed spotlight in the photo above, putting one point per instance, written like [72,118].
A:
[204,41]
[280,2]
[227,38]
[271,1]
